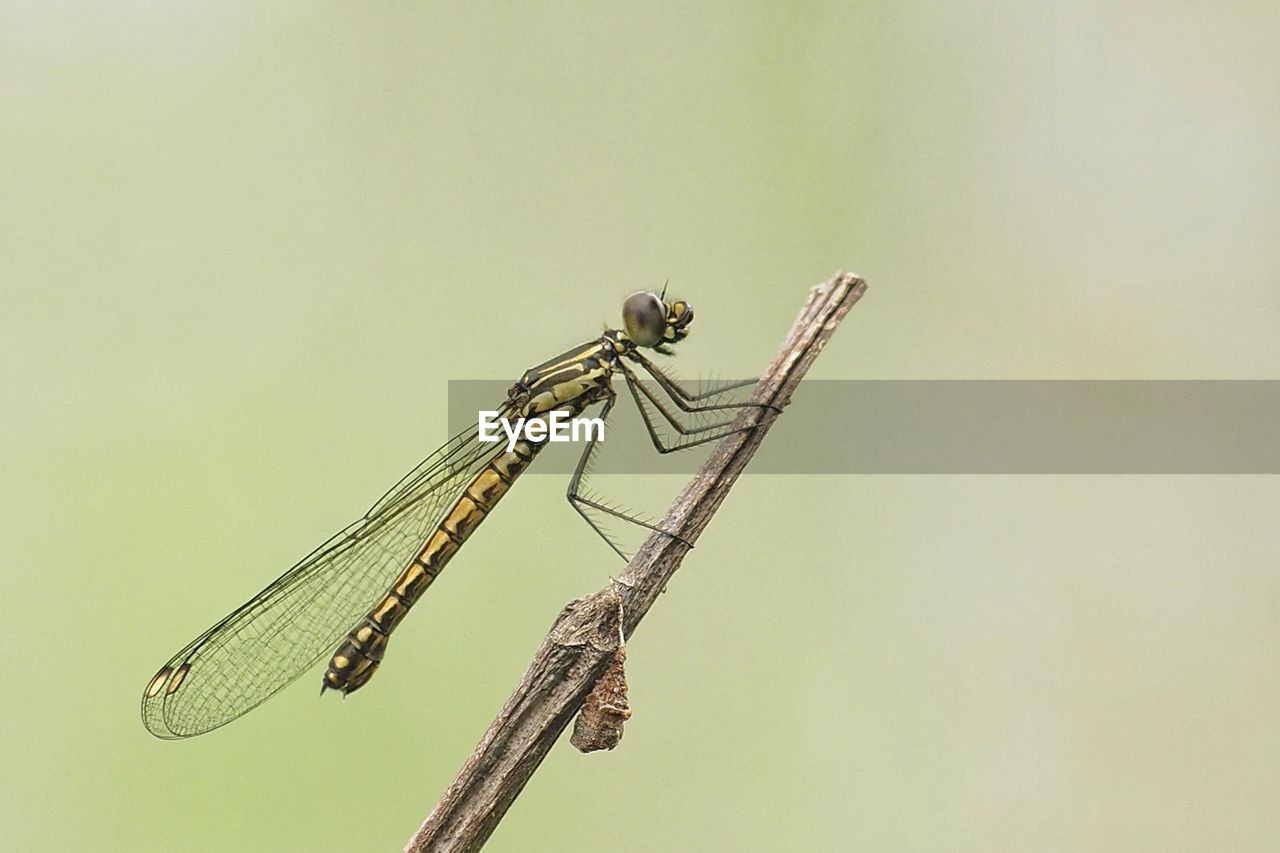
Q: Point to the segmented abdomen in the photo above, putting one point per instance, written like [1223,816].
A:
[357,658]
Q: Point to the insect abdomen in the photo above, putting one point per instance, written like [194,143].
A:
[359,655]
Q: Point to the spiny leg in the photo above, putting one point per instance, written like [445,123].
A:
[581,503]
[685,398]
[687,402]
[636,386]
[687,439]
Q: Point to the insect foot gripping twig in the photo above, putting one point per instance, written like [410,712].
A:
[606,709]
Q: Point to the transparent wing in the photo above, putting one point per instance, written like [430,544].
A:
[302,616]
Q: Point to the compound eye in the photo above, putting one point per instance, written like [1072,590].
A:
[645,318]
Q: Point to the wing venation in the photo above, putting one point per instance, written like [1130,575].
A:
[300,617]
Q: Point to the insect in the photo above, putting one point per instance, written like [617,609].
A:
[347,596]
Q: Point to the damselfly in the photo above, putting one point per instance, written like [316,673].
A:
[362,581]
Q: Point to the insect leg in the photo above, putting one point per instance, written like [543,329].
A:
[689,436]
[687,399]
[582,503]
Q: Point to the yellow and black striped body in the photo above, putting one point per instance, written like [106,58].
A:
[355,661]
[584,370]
[568,383]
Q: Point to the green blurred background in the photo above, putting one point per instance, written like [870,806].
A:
[245,246]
